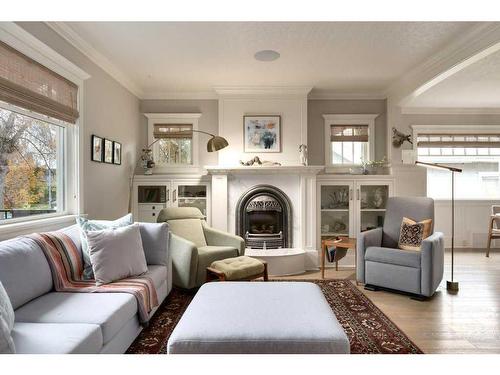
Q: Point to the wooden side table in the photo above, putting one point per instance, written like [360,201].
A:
[344,243]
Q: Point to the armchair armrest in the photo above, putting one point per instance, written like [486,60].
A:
[184,261]
[431,263]
[366,239]
[216,237]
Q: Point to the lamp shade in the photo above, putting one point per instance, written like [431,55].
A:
[216,143]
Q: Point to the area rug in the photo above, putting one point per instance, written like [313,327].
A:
[368,329]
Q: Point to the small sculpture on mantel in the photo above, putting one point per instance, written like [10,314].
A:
[257,162]
[303,154]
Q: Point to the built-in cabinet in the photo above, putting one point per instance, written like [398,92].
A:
[167,191]
[348,206]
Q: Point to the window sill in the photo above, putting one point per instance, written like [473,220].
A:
[11,230]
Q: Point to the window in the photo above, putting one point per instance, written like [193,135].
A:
[31,166]
[477,153]
[39,131]
[175,143]
[349,140]
[349,143]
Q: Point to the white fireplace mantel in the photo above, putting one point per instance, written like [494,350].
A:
[275,169]
[296,181]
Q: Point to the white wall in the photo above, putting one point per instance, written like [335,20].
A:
[293,112]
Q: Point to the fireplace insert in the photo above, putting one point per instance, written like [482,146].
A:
[264,218]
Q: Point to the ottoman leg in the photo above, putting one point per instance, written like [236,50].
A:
[213,274]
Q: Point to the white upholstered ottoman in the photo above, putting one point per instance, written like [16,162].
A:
[258,317]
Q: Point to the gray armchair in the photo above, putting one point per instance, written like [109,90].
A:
[381,264]
[194,245]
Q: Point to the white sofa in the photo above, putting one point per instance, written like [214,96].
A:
[52,322]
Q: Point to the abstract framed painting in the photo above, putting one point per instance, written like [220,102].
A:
[262,133]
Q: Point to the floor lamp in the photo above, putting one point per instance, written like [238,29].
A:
[451,285]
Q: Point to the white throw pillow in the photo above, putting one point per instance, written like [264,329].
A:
[6,323]
[87,225]
[116,253]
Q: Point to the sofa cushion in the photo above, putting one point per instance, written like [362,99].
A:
[190,229]
[116,253]
[48,338]
[73,232]
[209,254]
[24,271]
[110,311]
[393,256]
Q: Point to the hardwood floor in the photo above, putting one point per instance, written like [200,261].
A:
[467,322]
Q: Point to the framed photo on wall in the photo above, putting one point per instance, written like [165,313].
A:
[96,149]
[117,153]
[262,133]
[108,151]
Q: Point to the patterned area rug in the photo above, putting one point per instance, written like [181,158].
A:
[368,329]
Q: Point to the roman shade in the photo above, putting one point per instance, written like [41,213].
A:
[349,133]
[458,140]
[30,85]
[173,131]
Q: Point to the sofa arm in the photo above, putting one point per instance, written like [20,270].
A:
[366,239]
[184,261]
[216,237]
[431,263]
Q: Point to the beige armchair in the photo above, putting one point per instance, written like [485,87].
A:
[194,245]
[494,229]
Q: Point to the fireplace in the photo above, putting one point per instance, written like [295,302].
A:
[264,218]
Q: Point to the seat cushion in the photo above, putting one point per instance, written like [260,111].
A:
[209,254]
[190,229]
[50,338]
[258,318]
[398,257]
[24,271]
[239,268]
[110,311]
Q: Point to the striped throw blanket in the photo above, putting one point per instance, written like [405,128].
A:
[66,265]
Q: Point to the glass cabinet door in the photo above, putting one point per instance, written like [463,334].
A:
[191,196]
[372,200]
[335,215]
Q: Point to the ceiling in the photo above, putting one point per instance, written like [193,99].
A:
[477,85]
[341,57]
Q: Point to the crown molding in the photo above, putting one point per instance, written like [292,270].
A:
[180,95]
[450,111]
[316,94]
[263,91]
[164,116]
[449,60]
[72,37]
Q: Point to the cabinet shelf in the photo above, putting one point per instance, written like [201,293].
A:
[372,210]
[334,234]
[334,210]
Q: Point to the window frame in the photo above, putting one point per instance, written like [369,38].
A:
[73,201]
[347,119]
[174,119]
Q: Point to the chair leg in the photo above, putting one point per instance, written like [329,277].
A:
[266,277]
[371,287]
[489,246]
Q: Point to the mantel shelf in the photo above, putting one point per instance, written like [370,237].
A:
[275,169]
